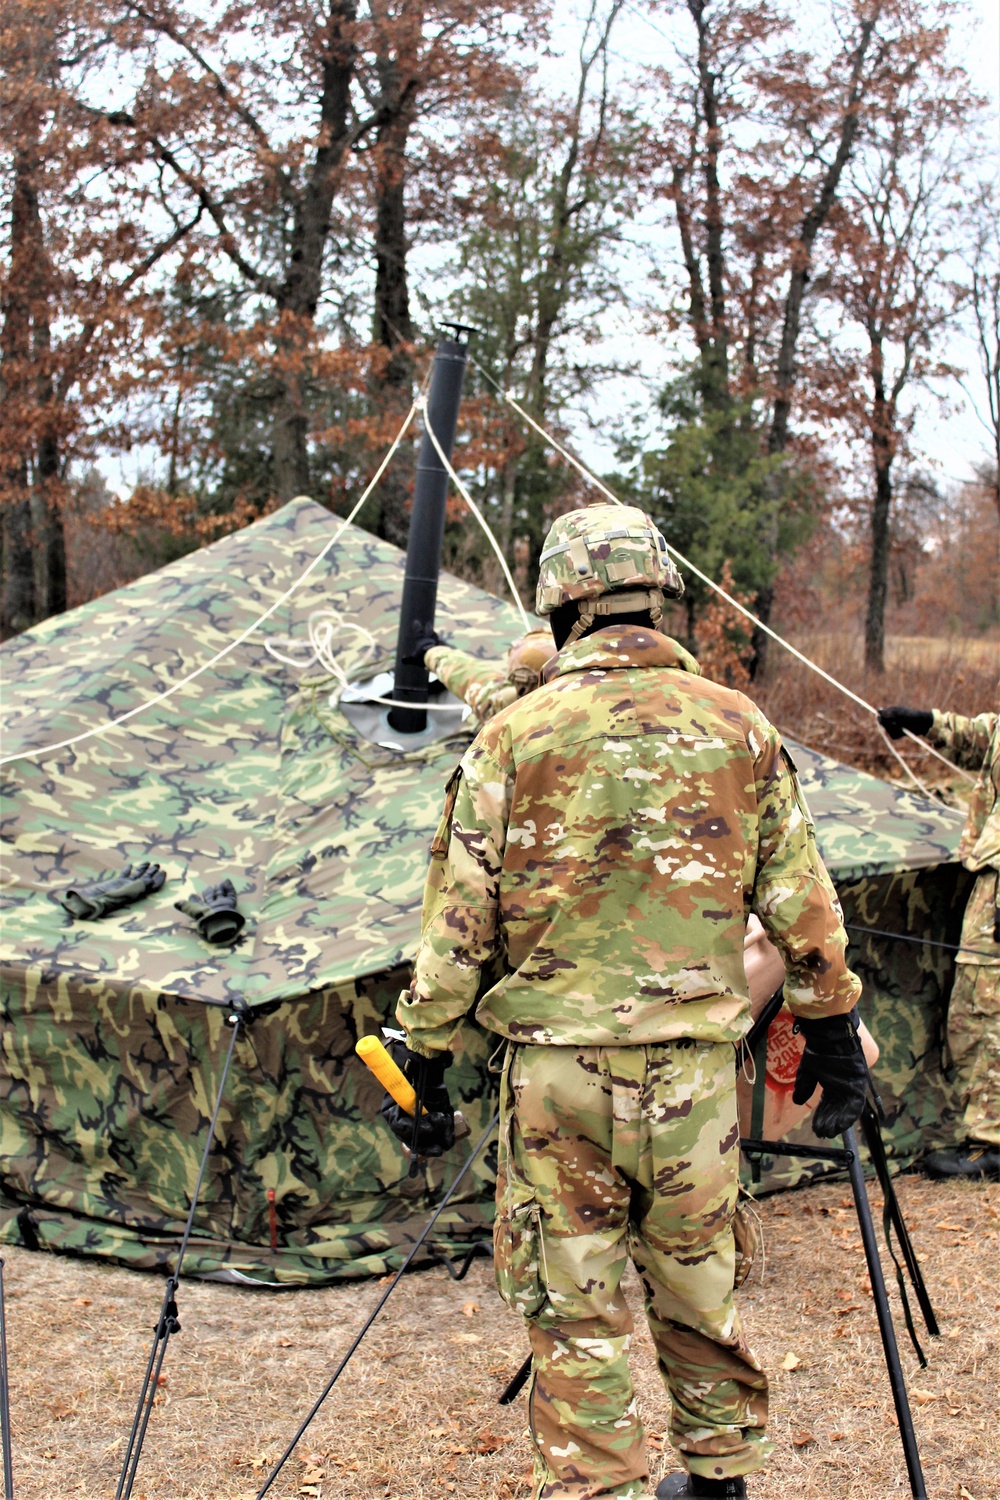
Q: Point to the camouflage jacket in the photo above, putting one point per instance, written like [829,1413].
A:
[603,843]
[974,744]
[483,685]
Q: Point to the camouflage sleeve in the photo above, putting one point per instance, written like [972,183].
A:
[466,676]
[459,933]
[793,894]
[964,741]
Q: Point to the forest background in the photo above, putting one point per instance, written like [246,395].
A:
[232,232]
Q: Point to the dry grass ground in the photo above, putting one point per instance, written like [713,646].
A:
[415,1416]
[956,675]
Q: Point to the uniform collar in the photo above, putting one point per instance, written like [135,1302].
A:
[618,646]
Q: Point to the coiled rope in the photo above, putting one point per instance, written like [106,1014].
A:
[175,687]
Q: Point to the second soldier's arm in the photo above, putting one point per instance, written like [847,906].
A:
[964,741]
[466,676]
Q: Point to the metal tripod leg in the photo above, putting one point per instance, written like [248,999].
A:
[876,1150]
[907,1435]
[848,1157]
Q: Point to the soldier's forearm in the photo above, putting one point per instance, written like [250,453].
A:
[964,740]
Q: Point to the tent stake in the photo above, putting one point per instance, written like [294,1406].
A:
[168,1323]
[376,1310]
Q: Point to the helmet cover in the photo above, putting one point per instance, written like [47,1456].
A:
[599,550]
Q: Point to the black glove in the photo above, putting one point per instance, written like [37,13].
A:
[434,1133]
[896,720]
[834,1059]
[214,913]
[111,892]
[421,646]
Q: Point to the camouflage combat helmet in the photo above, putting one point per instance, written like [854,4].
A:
[527,657]
[609,559]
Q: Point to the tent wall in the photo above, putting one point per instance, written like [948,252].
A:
[105,1101]
[105,1098]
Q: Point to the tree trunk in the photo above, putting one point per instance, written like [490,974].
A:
[289,441]
[17,600]
[298,294]
[812,223]
[883,452]
[24,291]
[392,326]
[48,497]
[715,355]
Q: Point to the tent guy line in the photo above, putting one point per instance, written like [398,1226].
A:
[685,562]
[320,634]
[419,405]
[102,729]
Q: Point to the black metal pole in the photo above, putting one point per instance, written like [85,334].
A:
[8,1468]
[895,1369]
[394,1282]
[423,549]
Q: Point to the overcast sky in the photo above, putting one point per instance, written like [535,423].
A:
[952,438]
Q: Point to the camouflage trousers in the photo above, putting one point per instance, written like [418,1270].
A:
[607,1153]
[974,1016]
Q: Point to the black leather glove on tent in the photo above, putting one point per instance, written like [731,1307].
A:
[214,913]
[99,898]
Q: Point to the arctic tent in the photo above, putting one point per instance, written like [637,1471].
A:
[265,771]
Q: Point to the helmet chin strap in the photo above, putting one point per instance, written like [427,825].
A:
[621,602]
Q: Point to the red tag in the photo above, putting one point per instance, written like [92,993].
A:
[784,1049]
[272,1216]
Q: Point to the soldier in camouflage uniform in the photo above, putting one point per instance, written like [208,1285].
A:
[487,686]
[974,1007]
[603,844]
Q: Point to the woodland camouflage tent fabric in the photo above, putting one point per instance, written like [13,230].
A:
[114,1032]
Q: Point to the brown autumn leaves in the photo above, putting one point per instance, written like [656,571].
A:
[212,217]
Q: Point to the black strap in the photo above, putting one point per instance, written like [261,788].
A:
[5,1443]
[168,1322]
[394,1282]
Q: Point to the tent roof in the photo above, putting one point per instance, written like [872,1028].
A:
[244,774]
[865,826]
[250,773]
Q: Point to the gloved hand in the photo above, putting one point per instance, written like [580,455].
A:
[897,719]
[421,646]
[98,898]
[214,913]
[833,1059]
[435,1130]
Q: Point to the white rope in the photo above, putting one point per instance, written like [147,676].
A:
[476,512]
[686,563]
[175,687]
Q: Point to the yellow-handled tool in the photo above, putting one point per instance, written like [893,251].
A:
[395,1082]
[392,1078]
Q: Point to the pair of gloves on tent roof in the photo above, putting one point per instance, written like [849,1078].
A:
[214,912]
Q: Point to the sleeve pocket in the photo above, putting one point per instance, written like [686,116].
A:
[439,845]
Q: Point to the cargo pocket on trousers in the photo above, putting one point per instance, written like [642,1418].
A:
[748,1236]
[518,1257]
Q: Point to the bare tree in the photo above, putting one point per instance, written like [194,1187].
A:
[897,275]
[985,302]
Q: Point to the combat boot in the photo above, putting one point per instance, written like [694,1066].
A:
[974,1159]
[694,1487]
